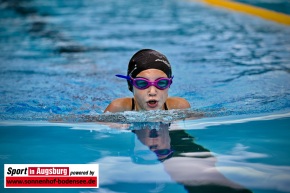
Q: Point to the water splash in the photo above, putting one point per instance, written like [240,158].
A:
[131,116]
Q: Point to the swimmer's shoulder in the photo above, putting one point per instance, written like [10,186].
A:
[177,103]
[119,105]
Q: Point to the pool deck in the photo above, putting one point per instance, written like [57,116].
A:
[278,17]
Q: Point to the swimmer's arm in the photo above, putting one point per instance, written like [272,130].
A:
[119,105]
[177,103]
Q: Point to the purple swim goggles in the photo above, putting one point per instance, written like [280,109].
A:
[143,83]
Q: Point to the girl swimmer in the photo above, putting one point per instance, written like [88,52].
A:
[149,77]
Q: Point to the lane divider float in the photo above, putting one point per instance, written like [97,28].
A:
[252,10]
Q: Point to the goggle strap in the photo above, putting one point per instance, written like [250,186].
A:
[122,76]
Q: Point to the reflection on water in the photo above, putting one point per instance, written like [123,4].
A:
[163,147]
[243,155]
[186,162]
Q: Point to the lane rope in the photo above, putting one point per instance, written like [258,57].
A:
[252,10]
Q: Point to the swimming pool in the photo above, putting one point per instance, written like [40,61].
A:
[59,59]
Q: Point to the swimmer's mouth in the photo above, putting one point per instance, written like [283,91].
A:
[152,102]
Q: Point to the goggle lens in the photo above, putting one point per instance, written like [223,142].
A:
[142,83]
[163,83]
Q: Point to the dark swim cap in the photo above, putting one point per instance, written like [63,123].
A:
[147,59]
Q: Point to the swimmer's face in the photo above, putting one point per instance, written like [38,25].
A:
[151,98]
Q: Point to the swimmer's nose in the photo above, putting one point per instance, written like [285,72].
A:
[152,91]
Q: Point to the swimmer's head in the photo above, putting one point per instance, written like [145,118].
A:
[147,59]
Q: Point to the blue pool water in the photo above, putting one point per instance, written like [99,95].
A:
[58,60]
[249,152]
